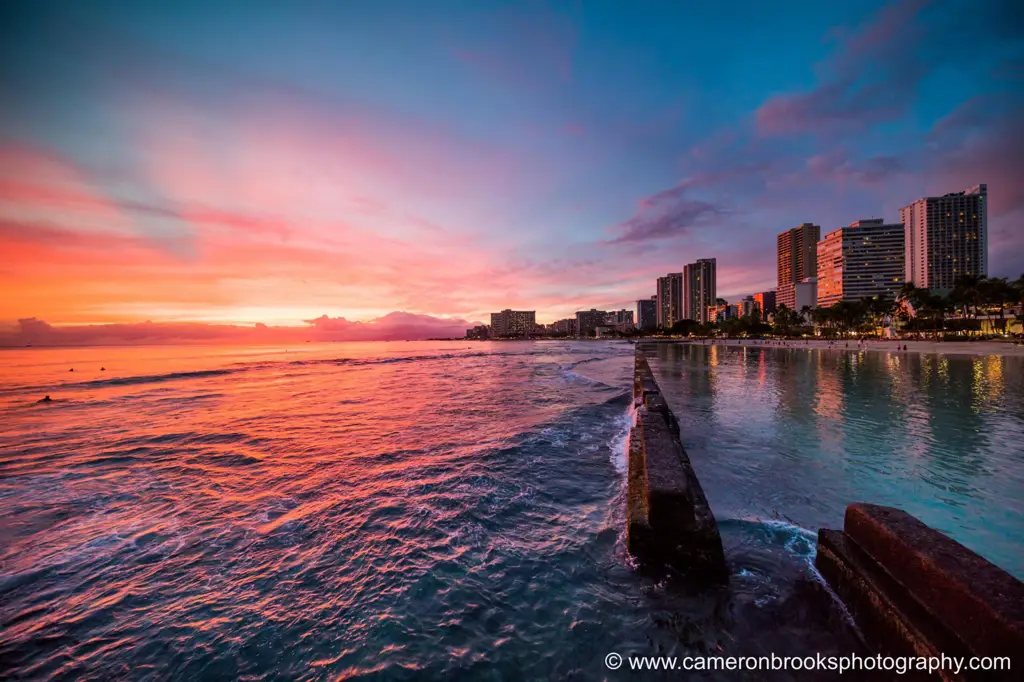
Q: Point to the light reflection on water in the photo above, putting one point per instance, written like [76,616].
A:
[800,433]
[370,511]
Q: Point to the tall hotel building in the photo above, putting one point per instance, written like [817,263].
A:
[766,302]
[699,289]
[797,261]
[513,323]
[587,322]
[647,313]
[946,238]
[670,299]
[862,260]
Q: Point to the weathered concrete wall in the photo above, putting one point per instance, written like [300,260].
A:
[916,592]
[669,521]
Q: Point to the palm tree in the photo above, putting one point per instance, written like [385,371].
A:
[1001,293]
[906,292]
[969,291]
[785,319]
[822,317]
[933,307]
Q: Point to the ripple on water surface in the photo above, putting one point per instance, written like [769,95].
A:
[393,511]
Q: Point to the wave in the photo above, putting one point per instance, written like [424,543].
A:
[245,367]
[573,365]
[391,361]
[792,537]
[153,378]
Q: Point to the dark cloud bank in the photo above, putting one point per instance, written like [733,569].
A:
[396,326]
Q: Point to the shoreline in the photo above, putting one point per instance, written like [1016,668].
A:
[883,346]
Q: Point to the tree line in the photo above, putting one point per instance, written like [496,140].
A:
[912,310]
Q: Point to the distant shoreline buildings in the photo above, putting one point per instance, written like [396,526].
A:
[937,241]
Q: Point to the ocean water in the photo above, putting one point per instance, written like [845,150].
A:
[797,434]
[444,510]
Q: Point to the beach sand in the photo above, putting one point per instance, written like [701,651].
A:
[887,346]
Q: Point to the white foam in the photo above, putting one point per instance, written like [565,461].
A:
[620,442]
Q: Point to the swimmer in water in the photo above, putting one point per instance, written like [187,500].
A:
[47,399]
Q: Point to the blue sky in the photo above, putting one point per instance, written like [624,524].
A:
[460,157]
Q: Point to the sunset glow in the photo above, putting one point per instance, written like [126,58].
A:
[165,166]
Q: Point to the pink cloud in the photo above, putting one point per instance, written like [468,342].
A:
[870,78]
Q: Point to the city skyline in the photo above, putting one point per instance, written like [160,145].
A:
[868,258]
[166,166]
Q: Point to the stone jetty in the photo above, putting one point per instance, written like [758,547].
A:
[913,591]
[669,521]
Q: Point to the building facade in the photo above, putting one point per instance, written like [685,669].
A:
[766,302]
[621,320]
[797,257]
[480,332]
[805,294]
[748,306]
[669,299]
[721,313]
[587,322]
[699,289]
[862,260]
[946,238]
[566,326]
[512,323]
[647,313]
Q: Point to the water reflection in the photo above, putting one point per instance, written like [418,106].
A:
[808,431]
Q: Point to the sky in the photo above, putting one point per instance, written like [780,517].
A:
[287,162]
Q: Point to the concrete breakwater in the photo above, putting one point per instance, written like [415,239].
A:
[669,522]
[913,591]
[910,589]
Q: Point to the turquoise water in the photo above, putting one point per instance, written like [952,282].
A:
[797,434]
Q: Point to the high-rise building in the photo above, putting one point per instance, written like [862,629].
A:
[647,313]
[721,313]
[699,289]
[481,332]
[805,294]
[587,321]
[766,302]
[566,326]
[946,238]
[862,260]
[621,320]
[670,299]
[513,323]
[620,317]
[748,306]
[797,260]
